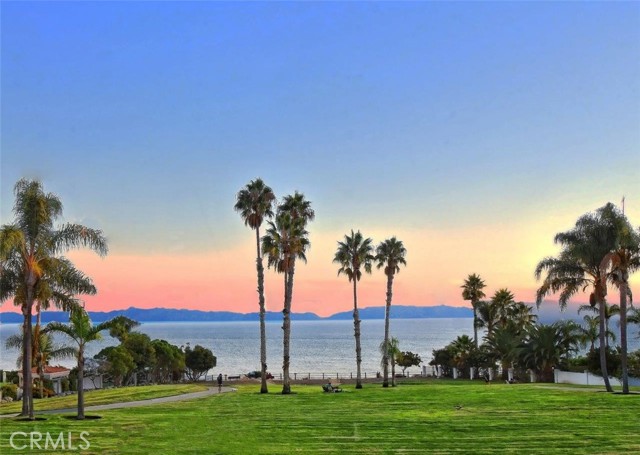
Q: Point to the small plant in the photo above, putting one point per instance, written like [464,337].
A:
[10,391]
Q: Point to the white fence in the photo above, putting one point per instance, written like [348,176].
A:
[586,378]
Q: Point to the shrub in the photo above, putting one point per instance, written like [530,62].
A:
[10,390]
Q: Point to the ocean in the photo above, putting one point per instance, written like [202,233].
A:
[316,346]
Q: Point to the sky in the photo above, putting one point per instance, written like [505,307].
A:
[473,132]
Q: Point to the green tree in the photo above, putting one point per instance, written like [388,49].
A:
[472,291]
[32,266]
[623,260]
[43,351]
[198,361]
[140,347]
[609,312]
[255,204]
[407,359]
[578,268]
[548,346]
[285,241]
[390,255]
[389,351]
[353,255]
[170,361]
[117,362]
[82,332]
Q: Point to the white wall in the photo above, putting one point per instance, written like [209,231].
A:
[586,378]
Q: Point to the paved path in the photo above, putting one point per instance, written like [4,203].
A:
[135,404]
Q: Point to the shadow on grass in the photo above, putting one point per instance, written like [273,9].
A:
[85,417]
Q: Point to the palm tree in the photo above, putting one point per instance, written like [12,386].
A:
[354,253]
[390,351]
[43,351]
[578,268]
[285,241]
[32,269]
[472,291]
[609,312]
[82,332]
[488,316]
[624,259]
[255,203]
[547,346]
[590,331]
[503,343]
[390,254]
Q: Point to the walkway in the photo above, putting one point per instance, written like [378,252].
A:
[134,404]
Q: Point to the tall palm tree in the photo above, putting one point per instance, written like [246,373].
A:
[285,241]
[390,254]
[578,268]
[353,255]
[472,291]
[590,331]
[32,268]
[624,259]
[488,316]
[255,204]
[82,332]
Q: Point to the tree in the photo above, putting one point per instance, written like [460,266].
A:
[503,344]
[285,241]
[170,361]
[117,362]
[623,260]
[407,359]
[472,291]
[390,254]
[141,348]
[32,267]
[43,351]
[82,332]
[353,255]
[609,312]
[198,361]
[255,204]
[578,268]
[389,351]
[548,346]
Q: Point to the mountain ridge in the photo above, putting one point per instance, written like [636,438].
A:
[185,315]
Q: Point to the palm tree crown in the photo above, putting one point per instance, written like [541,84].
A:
[353,254]
[255,203]
[390,254]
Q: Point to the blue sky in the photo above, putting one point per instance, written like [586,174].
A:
[428,120]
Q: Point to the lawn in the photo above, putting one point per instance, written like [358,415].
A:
[432,417]
[106,396]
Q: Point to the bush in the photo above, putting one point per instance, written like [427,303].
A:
[10,390]
[66,385]
[46,393]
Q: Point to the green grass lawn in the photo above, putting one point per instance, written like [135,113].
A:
[106,396]
[432,417]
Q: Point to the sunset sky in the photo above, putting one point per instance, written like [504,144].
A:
[474,132]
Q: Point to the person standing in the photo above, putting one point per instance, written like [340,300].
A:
[220,382]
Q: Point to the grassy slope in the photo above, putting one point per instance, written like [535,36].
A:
[95,397]
[408,419]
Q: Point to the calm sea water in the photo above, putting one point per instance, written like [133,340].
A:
[316,346]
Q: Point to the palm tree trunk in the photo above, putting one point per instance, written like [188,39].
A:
[37,349]
[81,383]
[474,304]
[356,330]
[286,327]
[385,355]
[27,379]
[603,347]
[623,335]
[263,330]
[393,372]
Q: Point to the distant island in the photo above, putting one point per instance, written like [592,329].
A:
[182,315]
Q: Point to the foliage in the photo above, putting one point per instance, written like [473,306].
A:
[117,363]
[170,362]
[10,390]
[198,361]
[141,350]
[121,327]
[33,268]
[407,359]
